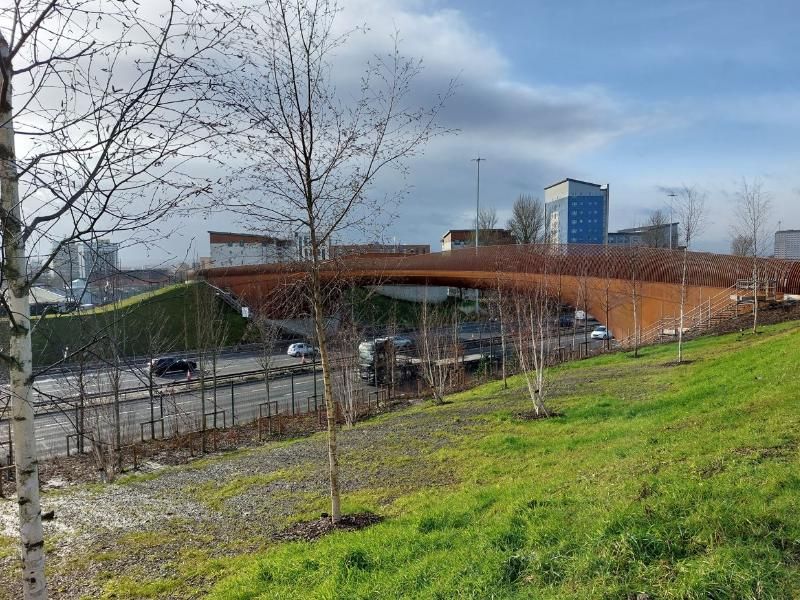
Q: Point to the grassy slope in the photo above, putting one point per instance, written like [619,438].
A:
[371,308]
[681,482]
[174,306]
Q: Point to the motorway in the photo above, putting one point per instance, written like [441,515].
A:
[181,411]
[180,399]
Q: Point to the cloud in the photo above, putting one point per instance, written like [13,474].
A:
[529,130]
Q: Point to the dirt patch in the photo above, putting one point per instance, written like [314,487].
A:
[533,416]
[675,363]
[311,530]
[780,451]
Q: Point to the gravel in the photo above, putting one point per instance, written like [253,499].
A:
[93,520]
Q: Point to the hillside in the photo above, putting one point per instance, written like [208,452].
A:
[669,481]
[656,482]
[167,318]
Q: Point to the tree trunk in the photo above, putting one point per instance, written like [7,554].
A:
[330,405]
[117,420]
[502,337]
[755,294]
[20,350]
[683,301]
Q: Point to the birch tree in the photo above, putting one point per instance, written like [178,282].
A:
[100,108]
[532,313]
[690,207]
[753,208]
[308,159]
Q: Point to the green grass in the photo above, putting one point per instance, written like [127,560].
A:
[214,494]
[8,546]
[168,314]
[371,308]
[677,481]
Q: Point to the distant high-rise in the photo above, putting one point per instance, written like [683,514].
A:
[100,258]
[787,244]
[66,264]
[576,212]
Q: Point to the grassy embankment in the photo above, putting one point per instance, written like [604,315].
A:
[373,309]
[674,481]
[169,313]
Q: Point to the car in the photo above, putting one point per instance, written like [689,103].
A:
[401,342]
[301,349]
[167,365]
[601,332]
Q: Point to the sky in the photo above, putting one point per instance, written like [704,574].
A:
[640,95]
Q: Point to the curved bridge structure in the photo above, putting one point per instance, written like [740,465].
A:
[603,279]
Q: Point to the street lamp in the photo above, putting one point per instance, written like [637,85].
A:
[671,200]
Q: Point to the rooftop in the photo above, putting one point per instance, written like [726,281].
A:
[597,185]
[225,237]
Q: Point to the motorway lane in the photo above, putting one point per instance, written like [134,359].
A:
[98,380]
[182,407]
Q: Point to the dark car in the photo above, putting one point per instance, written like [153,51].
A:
[169,365]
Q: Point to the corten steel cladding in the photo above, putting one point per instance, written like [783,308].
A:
[595,275]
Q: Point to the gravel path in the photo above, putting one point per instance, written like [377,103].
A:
[230,504]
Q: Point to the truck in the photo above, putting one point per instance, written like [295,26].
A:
[383,360]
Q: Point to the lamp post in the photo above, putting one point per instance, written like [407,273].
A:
[671,200]
[477,217]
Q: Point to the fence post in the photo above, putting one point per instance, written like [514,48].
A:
[314,370]
[77,429]
[292,392]
[233,407]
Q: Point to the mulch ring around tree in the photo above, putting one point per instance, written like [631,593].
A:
[311,530]
[534,416]
[675,363]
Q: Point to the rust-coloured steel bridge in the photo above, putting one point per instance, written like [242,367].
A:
[597,277]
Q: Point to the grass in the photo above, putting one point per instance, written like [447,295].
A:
[676,481]
[8,546]
[175,307]
[377,310]
[214,494]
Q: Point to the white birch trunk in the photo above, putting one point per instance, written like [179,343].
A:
[683,302]
[20,351]
[330,404]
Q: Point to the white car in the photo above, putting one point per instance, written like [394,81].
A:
[301,349]
[601,332]
[401,342]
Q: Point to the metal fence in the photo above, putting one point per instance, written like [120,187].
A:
[199,419]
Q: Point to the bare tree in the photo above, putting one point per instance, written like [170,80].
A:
[103,105]
[656,233]
[690,206]
[634,286]
[346,374]
[497,307]
[527,220]
[741,245]
[487,219]
[438,346]
[212,331]
[532,314]
[487,228]
[267,334]
[311,157]
[157,343]
[753,208]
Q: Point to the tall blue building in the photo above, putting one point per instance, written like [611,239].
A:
[576,212]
